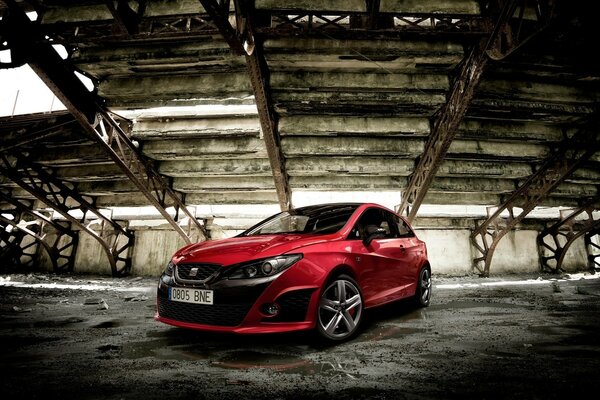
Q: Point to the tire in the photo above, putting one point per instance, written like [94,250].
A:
[423,292]
[340,309]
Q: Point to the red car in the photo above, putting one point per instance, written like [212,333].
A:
[312,267]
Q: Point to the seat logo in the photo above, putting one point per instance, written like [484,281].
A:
[193,272]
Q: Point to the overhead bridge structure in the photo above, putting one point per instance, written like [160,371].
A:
[205,103]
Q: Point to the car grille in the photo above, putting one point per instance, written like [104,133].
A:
[202,273]
[293,306]
[216,314]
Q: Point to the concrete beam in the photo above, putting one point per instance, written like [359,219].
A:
[171,89]
[504,129]
[303,125]
[472,185]
[353,63]
[344,146]
[106,188]
[537,91]
[99,12]
[461,198]
[221,183]
[430,6]
[186,128]
[216,167]
[477,149]
[347,183]
[487,169]
[81,154]
[332,81]
[233,197]
[408,103]
[197,149]
[332,5]
[91,172]
[374,49]
[319,166]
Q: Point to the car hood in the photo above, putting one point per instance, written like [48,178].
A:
[247,248]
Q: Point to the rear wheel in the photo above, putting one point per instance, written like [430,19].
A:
[340,309]
[423,293]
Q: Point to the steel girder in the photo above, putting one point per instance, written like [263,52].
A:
[520,30]
[459,99]
[593,249]
[258,72]
[17,249]
[27,43]
[570,155]
[443,131]
[114,237]
[259,78]
[554,241]
[61,245]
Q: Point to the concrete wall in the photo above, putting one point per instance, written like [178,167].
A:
[450,252]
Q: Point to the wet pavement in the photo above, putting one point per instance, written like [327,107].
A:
[501,337]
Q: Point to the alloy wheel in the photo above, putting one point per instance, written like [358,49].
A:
[340,309]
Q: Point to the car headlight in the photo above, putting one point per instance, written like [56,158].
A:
[169,269]
[263,268]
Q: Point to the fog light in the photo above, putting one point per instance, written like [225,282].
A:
[271,309]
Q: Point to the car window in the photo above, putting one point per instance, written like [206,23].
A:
[318,220]
[372,219]
[403,229]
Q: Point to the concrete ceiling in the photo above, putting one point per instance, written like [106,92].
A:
[353,102]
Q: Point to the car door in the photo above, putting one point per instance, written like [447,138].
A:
[378,263]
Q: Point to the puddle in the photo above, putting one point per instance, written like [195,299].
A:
[463,305]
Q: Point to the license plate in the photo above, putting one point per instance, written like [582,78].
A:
[195,296]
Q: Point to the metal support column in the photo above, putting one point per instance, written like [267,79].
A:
[61,244]
[593,249]
[554,241]
[114,237]
[18,242]
[571,154]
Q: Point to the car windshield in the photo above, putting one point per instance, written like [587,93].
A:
[315,219]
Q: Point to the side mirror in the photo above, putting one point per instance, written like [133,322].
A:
[377,233]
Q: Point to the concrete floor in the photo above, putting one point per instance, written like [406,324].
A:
[507,337]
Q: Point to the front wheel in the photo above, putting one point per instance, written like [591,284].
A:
[340,309]
[423,293]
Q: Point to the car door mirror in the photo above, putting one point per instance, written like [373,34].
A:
[375,234]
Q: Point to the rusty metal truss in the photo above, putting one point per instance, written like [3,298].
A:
[174,27]
[349,25]
[60,243]
[42,183]
[570,155]
[18,242]
[527,19]
[443,131]
[459,99]
[593,249]
[242,38]
[268,122]
[26,42]
[554,241]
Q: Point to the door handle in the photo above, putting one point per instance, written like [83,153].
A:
[402,248]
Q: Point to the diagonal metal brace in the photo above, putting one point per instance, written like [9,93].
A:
[62,248]
[570,155]
[88,109]
[554,241]
[64,198]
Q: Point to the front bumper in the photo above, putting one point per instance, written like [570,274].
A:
[239,305]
